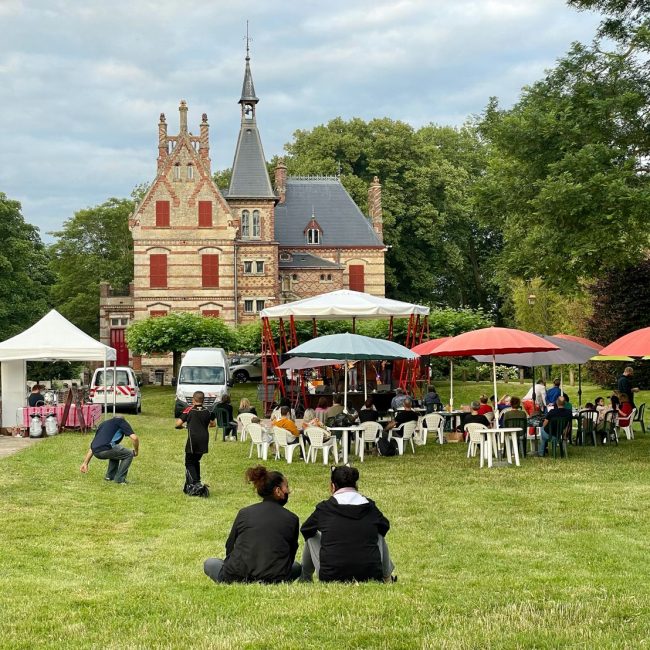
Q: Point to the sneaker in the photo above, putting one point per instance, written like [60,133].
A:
[123,482]
[107,479]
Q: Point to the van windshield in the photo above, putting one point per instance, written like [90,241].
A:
[121,375]
[202,375]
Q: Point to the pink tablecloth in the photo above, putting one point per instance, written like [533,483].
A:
[91,412]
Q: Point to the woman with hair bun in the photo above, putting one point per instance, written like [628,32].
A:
[263,541]
[345,535]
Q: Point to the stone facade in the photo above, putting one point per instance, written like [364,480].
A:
[205,251]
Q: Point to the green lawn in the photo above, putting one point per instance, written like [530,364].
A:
[551,554]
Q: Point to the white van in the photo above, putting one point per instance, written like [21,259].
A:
[127,393]
[204,369]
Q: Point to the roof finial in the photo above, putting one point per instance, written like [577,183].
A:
[248,40]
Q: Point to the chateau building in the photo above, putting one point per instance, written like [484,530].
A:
[230,253]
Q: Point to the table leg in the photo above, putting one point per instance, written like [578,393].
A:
[344,442]
[489,449]
[507,446]
[515,447]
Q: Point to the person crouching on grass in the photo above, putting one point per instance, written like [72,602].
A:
[198,419]
[263,541]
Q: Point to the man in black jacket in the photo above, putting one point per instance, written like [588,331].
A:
[344,536]
[263,541]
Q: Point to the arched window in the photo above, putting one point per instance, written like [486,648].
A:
[177,172]
[245,224]
[313,236]
[256,223]
[190,172]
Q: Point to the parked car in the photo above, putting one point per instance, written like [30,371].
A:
[204,369]
[250,370]
[127,392]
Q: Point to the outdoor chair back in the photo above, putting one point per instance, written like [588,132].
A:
[640,416]
[476,440]
[259,439]
[435,423]
[587,426]
[608,427]
[522,436]
[317,441]
[559,429]
[280,438]
[408,431]
[244,419]
[628,428]
[369,433]
[221,417]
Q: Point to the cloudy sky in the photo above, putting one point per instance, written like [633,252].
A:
[82,82]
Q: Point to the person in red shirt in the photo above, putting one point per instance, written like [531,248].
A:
[484,407]
[625,409]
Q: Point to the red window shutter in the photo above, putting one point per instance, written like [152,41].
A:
[157,313]
[205,214]
[356,277]
[158,271]
[210,271]
[211,313]
[162,214]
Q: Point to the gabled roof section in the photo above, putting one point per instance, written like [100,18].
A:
[250,178]
[307,261]
[341,222]
[312,225]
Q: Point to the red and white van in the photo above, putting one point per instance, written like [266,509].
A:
[127,391]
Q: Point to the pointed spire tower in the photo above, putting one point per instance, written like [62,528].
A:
[250,178]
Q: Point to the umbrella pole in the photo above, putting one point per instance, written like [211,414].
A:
[534,396]
[345,387]
[451,384]
[114,385]
[105,387]
[579,386]
[494,382]
[365,381]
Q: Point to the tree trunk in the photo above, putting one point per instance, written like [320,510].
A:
[176,363]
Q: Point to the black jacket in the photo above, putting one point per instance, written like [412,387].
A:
[262,544]
[349,536]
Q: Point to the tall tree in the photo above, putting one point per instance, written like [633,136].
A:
[24,271]
[94,246]
[625,21]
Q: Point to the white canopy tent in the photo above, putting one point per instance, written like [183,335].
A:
[339,305]
[53,338]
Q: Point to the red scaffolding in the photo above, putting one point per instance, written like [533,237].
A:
[336,305]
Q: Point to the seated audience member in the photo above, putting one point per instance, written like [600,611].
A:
[368,412]
[398,401]
[310,419]
[345,535]
[515,412]
[245,406]
[230,428]
[589,408]
[36,397]
[285,422]
[336,408]
[504,403]
[558,412]
[263,541]
[475,417]
[322,407]
[624,411]
[407,414]
[432,401]
[484,407]
[553,393]
[599,404]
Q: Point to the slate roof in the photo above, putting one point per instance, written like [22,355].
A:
[326,200]
[307,261]
[248,89]
[250,177]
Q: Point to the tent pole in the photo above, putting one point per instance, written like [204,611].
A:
[114,385]
[534,397]
[451,384]
[345,386]
[104,374]
[579,386]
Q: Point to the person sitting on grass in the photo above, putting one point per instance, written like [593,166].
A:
[263,540]
[198,419]
[407,414]
[345,535]
[558,412]
[106,446]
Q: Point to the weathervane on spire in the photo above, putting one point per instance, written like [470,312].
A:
[248,40]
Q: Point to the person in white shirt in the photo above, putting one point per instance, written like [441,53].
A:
[540,395]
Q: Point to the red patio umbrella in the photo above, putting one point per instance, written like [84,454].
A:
[425,349]
[635,344]
[579,339]
[493,341]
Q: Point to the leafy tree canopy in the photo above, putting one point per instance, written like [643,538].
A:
[24,271]
[625,21]
[94,246]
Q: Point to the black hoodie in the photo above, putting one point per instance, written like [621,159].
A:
[349,536]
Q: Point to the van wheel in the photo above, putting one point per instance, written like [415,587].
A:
[241,376]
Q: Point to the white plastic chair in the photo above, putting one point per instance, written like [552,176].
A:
[476,440]
[629,431]
[369,433]
[435,422]
[317,441]
[490,417]
[244,419]
[280,436]
[260,439]
[408,431]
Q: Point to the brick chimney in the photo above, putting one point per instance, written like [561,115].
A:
[204,141]
[182,110]
[162,141]
[281,179]
[374,206]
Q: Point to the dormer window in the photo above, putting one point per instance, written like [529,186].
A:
[190,172]
[313,236]
[313,232]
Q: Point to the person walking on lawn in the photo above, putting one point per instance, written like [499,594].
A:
[106,446]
